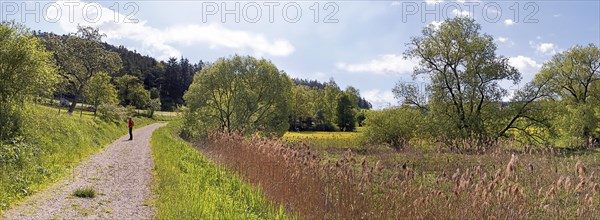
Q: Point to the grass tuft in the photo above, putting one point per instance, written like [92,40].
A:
[86,192]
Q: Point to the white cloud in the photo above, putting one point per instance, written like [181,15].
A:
[389,64]
[556,15]
[462,13]
[159,42]
[433,2]
[509,22]
[380,99]
[506,40]
[395,3]
[463,1]
[544,48]
[525,65]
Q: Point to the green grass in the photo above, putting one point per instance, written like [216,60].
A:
[86,192]
[51,145]
[188,184]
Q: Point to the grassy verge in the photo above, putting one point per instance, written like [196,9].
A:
[50,147]
[188,185]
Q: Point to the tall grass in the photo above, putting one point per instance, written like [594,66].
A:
[50,146]
[414,184]
[190,186]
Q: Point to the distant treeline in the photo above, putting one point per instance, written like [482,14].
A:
[314,84]
[168,81]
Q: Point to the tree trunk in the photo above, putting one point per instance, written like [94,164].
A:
[72,107]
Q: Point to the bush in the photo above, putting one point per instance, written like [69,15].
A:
[196,125]
[393,126]
[326,126]
[113,112]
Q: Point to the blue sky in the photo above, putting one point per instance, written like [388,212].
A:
[358,43]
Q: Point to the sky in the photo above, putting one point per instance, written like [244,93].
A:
[357,43]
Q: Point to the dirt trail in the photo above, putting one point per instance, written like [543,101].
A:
[120,175]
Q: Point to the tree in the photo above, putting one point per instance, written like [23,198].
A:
[176,80]
[345,113]
[132,92]
[573,78]
[329,99]
[464,71]
[26,70]
[81,56]
[353,94]
[138,96]
[100,91]
[241,94]
[303,108]
[153,106]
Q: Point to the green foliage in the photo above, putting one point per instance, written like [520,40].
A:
[315,105]
[241,94]
[464,99]
[303,102]
[360,118]
[153,106]
[393,126]
[113,112]
[345,113]
[574,124]
[80,57]
[573,77]
[26,71]
[177,78]
[210,191]
[100,91]
[132,92]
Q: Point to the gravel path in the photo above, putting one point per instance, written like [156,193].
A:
[120,175]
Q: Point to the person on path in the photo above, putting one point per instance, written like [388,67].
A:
[130,125]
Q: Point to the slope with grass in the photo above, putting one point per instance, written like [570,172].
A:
[188,185]
[112,184]
[49,148]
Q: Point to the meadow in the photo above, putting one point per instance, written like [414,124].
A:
[335,175]
[189,185]
[50,146]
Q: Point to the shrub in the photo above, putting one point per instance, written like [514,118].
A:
[393,126]
[196,125]
[113,112]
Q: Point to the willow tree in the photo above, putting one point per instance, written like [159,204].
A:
[465,71]
[241,93]
[573,79]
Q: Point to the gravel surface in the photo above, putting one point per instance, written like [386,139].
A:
[120,175]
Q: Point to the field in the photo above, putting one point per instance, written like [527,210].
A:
[50,146]
[332,143]
[332,175]
[187,184]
